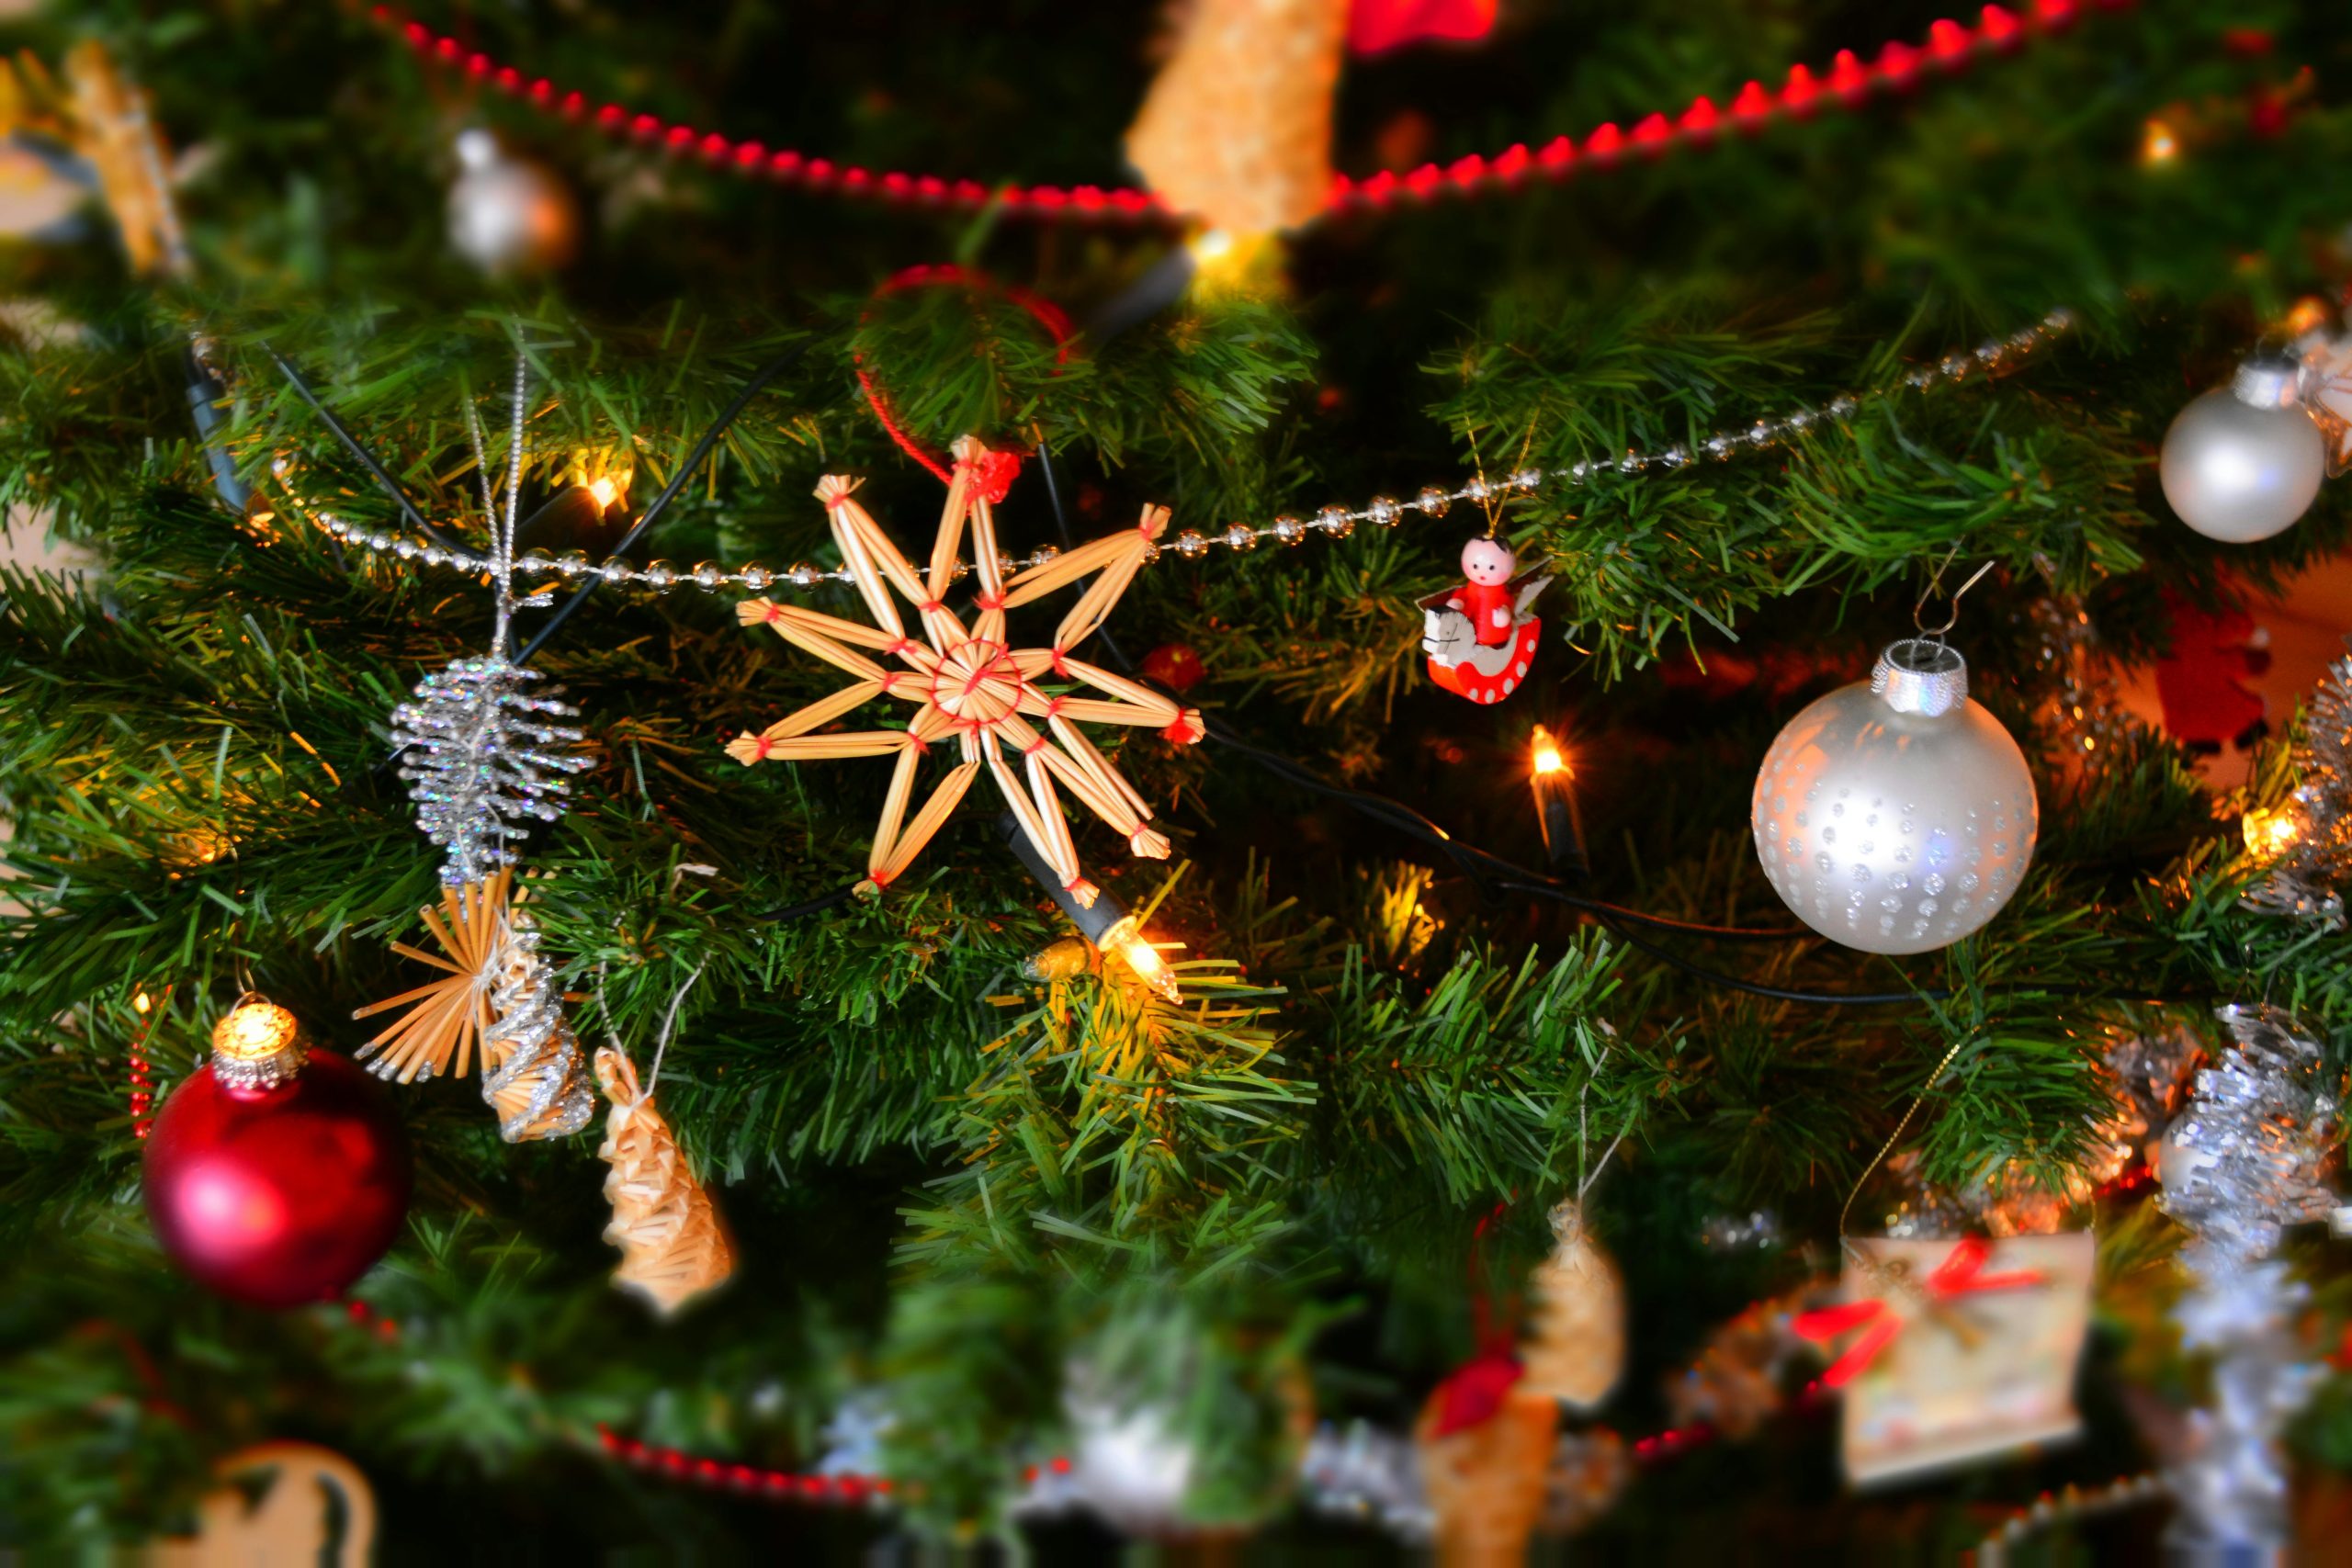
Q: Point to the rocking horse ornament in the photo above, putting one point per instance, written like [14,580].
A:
[1480,637]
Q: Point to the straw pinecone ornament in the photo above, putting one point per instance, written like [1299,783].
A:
[495,993]
[1579,1346]
[672,1246]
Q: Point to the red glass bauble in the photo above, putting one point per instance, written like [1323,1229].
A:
[278,1196]
[1175,666]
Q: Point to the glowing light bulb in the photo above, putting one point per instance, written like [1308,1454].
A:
[605,490]
[2270,833]
[1125,939]
[140,1003]
[2158,143]
[1214,245]
[1553,781]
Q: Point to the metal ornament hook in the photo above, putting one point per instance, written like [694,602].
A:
[1919,610]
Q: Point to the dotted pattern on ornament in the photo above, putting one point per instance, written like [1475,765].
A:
[1993,356]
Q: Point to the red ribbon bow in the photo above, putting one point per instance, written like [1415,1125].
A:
[1961,1273]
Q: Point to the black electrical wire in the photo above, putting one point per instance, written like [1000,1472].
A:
[367,459]
[816,906]
[1483,867]
[660,503]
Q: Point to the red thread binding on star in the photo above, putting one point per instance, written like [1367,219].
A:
[988,601]
[1898,66]
[999,469]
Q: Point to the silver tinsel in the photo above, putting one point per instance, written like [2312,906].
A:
[533,1073]
[485,759]
[2241,1164]
[2308,867]
[1367,1474]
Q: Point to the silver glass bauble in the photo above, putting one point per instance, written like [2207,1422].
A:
[506,214]
[1894,815]
[2243,462]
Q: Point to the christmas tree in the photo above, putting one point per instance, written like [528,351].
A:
[1070,709]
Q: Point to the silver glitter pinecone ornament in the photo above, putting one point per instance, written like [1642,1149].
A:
[2243,462]
[483,760]
[507,214]
[1894,815]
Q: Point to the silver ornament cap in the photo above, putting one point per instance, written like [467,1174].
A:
[2243,462]
[1921,675]
[1896,815]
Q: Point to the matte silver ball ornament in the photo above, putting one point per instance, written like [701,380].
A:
[1894,815]
[509,215]
[2243,462]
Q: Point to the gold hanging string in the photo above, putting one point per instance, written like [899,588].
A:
[1486,492]
[1896,1136]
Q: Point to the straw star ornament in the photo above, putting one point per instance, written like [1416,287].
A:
[969,685]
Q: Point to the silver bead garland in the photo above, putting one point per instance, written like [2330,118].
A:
[485,759]
[2241,1164]
[1995,356]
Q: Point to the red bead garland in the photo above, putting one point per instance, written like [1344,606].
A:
[142,1082]
[1951,46]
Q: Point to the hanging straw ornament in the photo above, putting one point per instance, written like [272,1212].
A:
[971,684]
[672,1246]
[1484,1461]
[110,122]
[496,992]
[1237,128]
[445,1017]
[1579,1346]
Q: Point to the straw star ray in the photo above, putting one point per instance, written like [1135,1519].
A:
[969,683]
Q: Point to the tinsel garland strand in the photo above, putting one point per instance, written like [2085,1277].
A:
[2241,1164]
[2313,852]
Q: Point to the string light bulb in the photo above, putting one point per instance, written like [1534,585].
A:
[1553,781]
[605,492]
[1106,922]
[2158,146]
[1125,939]
[1548,756]
[2269,834]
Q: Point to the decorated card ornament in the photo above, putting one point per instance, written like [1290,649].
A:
[1958,1349]
[1480,635]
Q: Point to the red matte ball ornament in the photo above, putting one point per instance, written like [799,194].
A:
[1175,666]
[273,1177]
